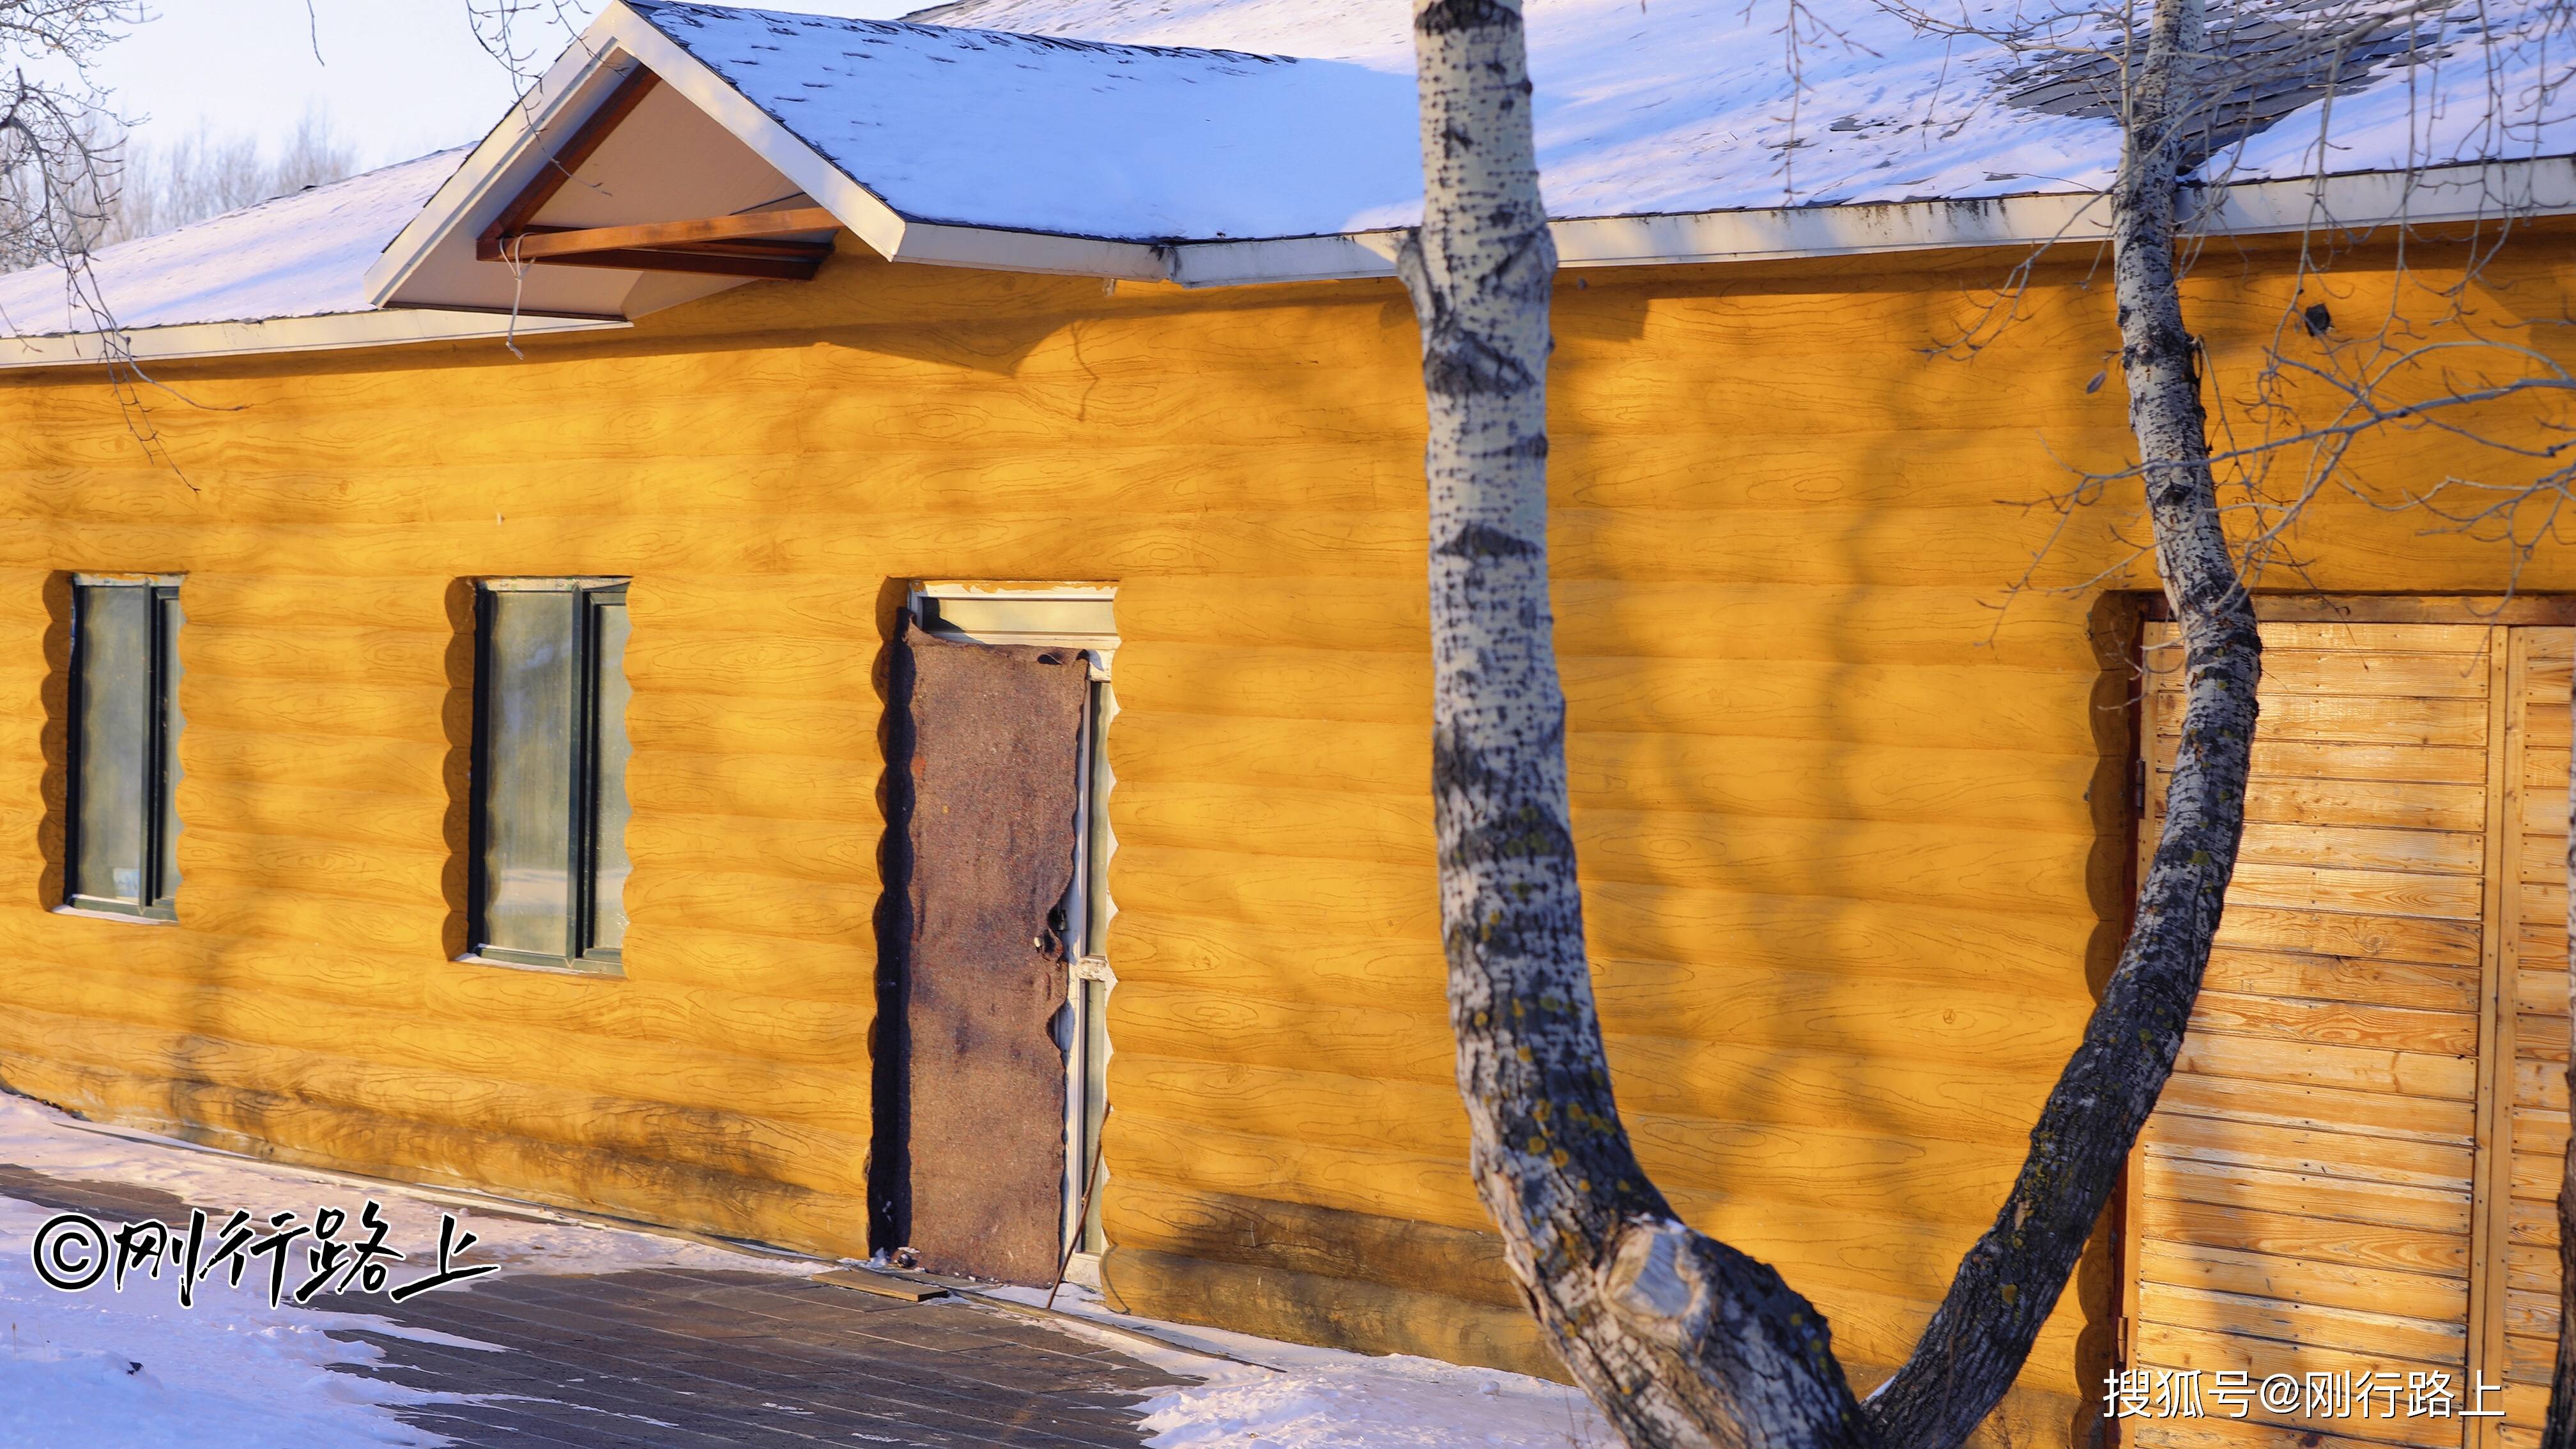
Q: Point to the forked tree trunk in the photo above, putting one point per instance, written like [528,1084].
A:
[1680,1339]
[2010,1280]
[2559,1432]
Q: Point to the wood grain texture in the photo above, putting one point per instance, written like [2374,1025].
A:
[1845,821]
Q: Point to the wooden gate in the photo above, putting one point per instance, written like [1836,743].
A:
[2352,1171]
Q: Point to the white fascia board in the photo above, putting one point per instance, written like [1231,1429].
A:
[2497,191]
[341,331]
[2494,192]
[1634,241]
[994,250]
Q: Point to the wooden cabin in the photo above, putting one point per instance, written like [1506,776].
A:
[823,640]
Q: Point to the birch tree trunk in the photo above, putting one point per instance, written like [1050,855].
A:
[2013,1277]
[1680,1339]
[2559,1432]
[2008,1283]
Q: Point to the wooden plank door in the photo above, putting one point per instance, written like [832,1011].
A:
[2305,1199]
[2533,1076]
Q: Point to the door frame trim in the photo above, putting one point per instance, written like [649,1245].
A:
[2491,1183]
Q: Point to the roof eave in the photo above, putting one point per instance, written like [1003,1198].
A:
[329,332]
[2490,191]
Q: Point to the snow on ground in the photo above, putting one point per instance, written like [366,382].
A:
[101,1369]
[133,1370]
[1377,1403]
[1290,1396]
[526,1237]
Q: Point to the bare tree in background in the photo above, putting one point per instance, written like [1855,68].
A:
[54,171]
[2329,377]
[1681,1339]
[160,188]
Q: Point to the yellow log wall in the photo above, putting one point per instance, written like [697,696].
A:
[1854,840]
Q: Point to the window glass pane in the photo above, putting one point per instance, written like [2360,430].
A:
[608,799]
[1095,841]
[112,739]
[1095,1098]
[527,788]
[167,887]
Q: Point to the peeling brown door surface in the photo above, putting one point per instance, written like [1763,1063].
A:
[995,737]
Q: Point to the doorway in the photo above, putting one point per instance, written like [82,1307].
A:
[2350,1178]
[992,1086]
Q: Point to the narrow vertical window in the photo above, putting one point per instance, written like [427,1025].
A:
[550,774]
[122,849]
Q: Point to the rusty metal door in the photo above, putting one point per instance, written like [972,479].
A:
[993,735]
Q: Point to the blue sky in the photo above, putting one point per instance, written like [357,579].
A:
[398,77]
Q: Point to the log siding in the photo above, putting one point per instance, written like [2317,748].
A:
[1856,845]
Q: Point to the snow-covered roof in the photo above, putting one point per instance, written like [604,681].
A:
[1682,106]
[302,256]
[1218,141]
[1041,133]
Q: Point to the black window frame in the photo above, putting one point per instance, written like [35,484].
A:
[581,915]
[159,882]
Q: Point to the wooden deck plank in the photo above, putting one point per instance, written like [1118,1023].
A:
[2264,1229]
[2379,892]
[2326,1199]
[2309,760]
[2296,977]
[2360,804]
[2336,1023]
[2293,1104]
[2350,1330]
[2364,1069]
[2330,933]
[2340,1155]
[2429,1296]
